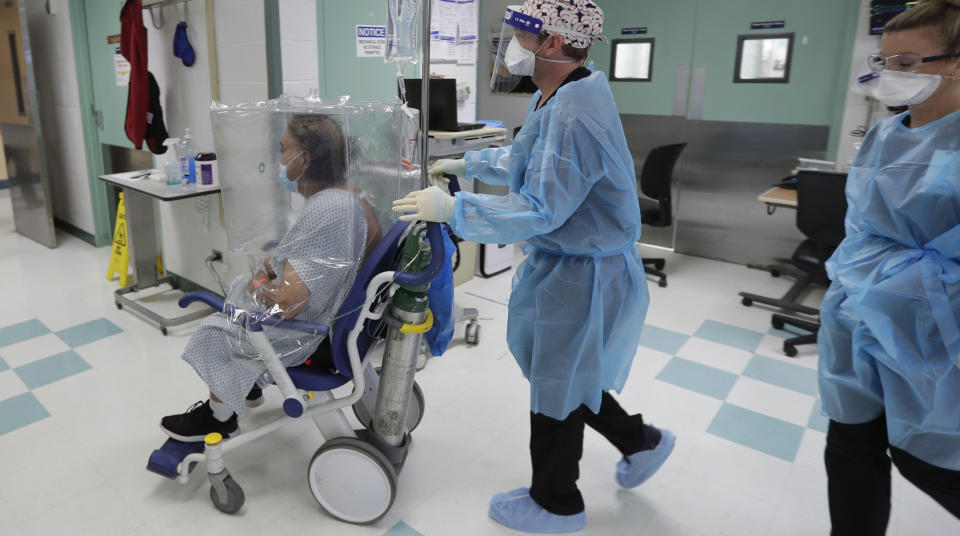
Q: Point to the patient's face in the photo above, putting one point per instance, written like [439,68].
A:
[296,163]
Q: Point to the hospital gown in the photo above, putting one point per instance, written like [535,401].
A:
[889,337]
[325,247]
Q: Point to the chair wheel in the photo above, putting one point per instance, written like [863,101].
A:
[789,350]
[119,305]
[659,264]
[662,283]
[777,323]
[352,480]
[774,273]
[163,330]
[234,499]
[747,301]
[472,333]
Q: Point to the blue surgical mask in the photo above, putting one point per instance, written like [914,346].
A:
[290,185]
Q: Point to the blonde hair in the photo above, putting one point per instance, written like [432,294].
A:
[941,15]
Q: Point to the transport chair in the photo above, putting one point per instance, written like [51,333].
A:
[353,474]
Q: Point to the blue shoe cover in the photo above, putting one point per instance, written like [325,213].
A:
[637,468]
[518,511]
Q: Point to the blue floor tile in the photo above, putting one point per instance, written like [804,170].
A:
[402,529]
[22,332]
[88,332]
[734,336]
[3,365]
[51,369]
[20,411]
[817,420]
[757,431]
[793,377]
[662,340]
[696,377]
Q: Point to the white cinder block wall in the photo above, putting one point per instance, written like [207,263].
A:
[298,46]
[241,50]
[59,105]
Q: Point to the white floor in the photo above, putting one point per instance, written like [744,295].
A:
[81,470]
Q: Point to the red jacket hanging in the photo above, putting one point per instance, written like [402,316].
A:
[133,46]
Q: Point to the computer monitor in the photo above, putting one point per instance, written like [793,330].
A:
[443,101]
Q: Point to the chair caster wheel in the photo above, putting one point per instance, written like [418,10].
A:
[777,323]
[234,499]
[659,264]
[789,350]
[119,305]
[747,302]
[663,283]
[164,331]
[472,334]
[774,273]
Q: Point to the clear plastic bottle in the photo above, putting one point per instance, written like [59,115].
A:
[188,165]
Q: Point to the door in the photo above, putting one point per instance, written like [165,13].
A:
[109,91]
[20,129]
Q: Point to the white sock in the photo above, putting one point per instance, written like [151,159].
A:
[221,411]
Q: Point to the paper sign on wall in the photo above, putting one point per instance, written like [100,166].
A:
[122,68]
[371,41]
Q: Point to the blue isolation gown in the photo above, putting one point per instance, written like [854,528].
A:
[889,337]
[580,298]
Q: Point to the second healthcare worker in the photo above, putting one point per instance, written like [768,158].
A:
[580,298]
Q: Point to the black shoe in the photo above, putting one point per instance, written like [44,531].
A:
[196,423]
[255,397]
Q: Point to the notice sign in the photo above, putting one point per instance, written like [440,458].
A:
[634,31]
[122,68]
[371,41]
[768,25]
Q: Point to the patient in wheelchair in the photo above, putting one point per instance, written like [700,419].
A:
[306,276]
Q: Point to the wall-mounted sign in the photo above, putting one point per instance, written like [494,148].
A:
[768,25]
[121,68]
[371,41]
[634,31]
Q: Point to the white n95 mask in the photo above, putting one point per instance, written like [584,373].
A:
[519,61]
[898,88]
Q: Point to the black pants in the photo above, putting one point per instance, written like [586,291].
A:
[858,478]
[556,447]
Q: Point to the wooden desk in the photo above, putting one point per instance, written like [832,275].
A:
[778,197]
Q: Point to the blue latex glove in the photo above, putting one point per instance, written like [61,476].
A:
[637,468]
[518,511]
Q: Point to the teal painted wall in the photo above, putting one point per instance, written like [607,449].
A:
[672,24]
[703,33]
[810,96]
[341,71]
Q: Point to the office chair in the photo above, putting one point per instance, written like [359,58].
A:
[656,204]
[821,208]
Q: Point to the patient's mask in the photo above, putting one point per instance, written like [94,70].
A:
[899,88]
[290,185]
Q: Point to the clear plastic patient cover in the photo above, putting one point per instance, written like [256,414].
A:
[307,187]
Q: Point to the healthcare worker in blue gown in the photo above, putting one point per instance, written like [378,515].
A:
[580,297]
[889,337]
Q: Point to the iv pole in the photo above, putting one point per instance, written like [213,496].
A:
[425,93]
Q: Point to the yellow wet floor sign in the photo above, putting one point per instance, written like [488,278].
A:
[120,254]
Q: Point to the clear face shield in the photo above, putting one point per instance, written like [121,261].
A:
[518,49]
[514,64]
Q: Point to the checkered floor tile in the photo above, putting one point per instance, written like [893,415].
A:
[767,402]
[32,356]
